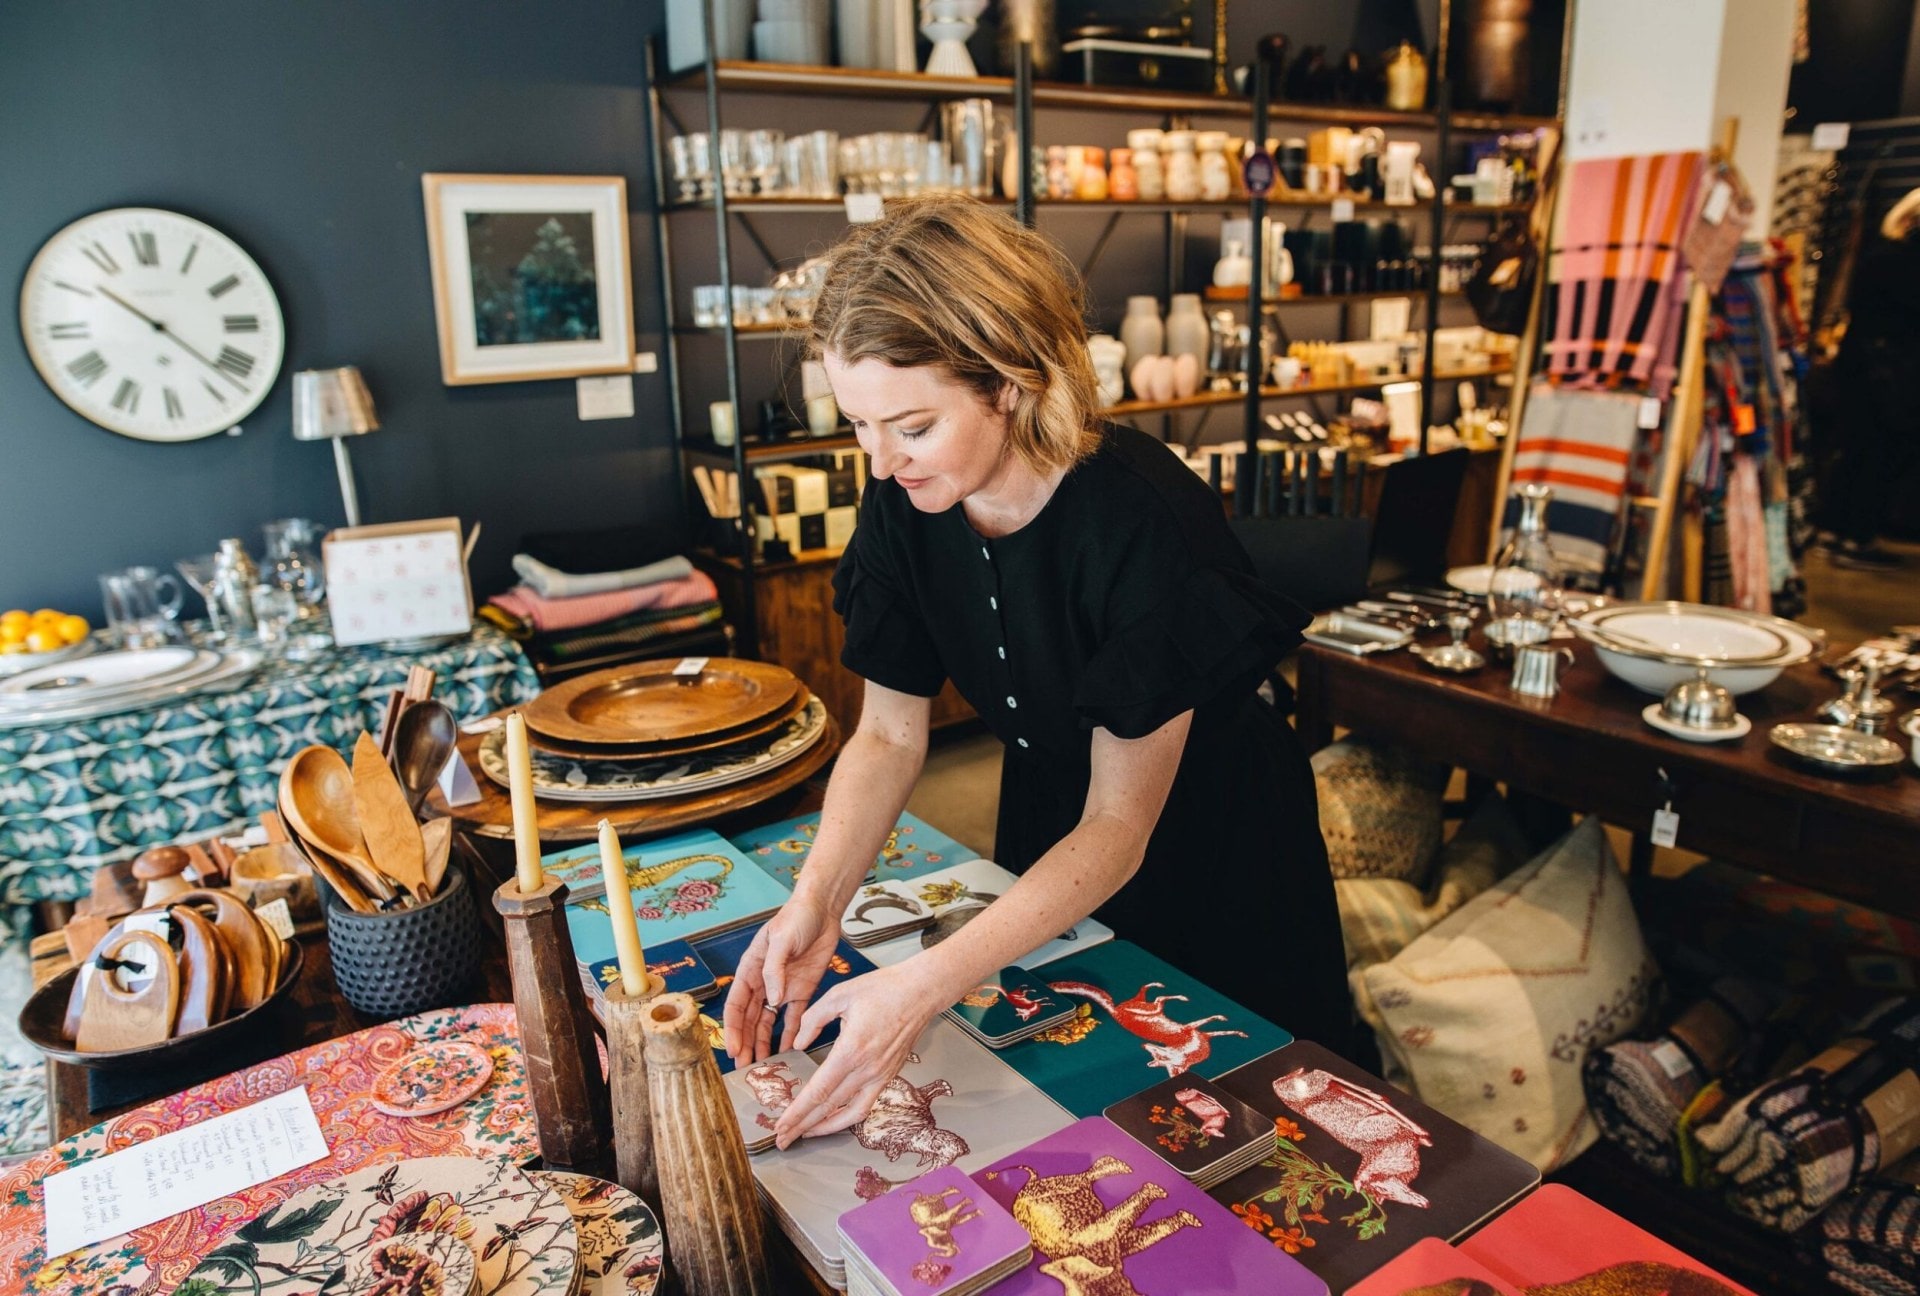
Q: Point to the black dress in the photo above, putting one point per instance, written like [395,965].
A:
[1125,602]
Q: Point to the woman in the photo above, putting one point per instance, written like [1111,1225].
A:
[1079,585]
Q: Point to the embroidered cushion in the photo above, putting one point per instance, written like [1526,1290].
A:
[1490,1013]
[1379,810]
[1379,917]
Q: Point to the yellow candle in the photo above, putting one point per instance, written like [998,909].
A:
[626,928]
[526,820]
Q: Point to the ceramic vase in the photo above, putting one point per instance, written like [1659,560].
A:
[1109,356]
[716,1242]
[1141,331]
[1187,329]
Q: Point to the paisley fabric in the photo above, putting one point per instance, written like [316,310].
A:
[339,1076]
[78,795]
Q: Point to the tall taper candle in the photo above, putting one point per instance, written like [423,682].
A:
[626,928]
[526,822]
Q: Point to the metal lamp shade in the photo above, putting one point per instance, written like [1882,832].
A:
[329,403]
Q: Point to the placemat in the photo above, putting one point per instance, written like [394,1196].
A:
[339,1076]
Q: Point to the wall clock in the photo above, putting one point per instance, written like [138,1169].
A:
[152,324]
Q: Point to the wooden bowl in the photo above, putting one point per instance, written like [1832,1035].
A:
[44,1016]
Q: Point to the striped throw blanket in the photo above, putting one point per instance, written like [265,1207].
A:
[1580,443]
[1615,286]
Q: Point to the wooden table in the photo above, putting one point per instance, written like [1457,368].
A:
[1744,802]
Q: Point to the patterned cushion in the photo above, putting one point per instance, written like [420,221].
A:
[1379,917]
[1490,1013]
[1379,810]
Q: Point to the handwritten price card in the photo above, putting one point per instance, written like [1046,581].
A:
[401,581]
[176,1172]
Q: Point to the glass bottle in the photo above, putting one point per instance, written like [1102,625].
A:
[1406,78]
[1523,593]
[292,564]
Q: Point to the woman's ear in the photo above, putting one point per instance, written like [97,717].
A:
[1009,398]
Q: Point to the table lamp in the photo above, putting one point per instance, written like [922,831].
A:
[332,405]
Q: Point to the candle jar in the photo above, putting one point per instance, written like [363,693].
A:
[1123,182]
[1057,183]
[1151,179]
[1091,186]
[1182,168]
[1215,184]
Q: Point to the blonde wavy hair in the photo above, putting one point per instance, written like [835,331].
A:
[944,280]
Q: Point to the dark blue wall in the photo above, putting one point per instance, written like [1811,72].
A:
[301,128]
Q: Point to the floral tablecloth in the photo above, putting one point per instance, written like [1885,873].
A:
[75,796]
[339,1074]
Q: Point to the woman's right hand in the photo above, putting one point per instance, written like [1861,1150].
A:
[782,967]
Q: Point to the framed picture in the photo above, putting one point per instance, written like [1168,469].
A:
[530,276]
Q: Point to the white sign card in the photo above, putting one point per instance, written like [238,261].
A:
[404,580]
[176,1172]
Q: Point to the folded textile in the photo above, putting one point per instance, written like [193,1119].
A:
[1792,1147]
[1637,1089]
[581,643]
[546,614]
[1580,443]
[551,582]
[1870,1239]
[605,549]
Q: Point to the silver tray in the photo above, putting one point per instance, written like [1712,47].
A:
[1835,749]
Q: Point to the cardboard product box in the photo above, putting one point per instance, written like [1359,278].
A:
[813,530]
[840,524]
[843,487]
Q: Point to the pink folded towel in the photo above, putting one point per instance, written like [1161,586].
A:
[591,609]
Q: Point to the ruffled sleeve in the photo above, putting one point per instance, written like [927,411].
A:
[1219,631]
[887,640]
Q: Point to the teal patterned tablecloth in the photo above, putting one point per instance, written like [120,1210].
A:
[77,795]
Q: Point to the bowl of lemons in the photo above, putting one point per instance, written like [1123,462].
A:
[29,639]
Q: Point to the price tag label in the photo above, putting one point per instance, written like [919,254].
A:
[1832,135]
[1343,209]
[1666,828]
[1714,210]
[277,916]
[485,724]
[690,666]
[1649,412]
[864,208]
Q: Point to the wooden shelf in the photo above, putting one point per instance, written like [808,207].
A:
[863,83]
[805,558]
[763,451]
[1302,202]
[1202,400]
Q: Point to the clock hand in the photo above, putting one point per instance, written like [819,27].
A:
[161,328]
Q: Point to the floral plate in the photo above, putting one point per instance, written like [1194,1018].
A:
[521,1234]
[563,778]
[433,1078]
[622,1251]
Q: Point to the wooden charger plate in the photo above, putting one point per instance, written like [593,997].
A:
[647,703]
[687,747]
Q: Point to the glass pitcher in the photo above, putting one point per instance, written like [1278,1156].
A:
[1523,593]
[293,562]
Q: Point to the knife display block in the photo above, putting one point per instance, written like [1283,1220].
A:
[572,1109]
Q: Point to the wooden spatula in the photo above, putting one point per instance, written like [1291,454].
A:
[386,821]
[437,836]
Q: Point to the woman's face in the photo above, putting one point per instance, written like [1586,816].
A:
[932,435]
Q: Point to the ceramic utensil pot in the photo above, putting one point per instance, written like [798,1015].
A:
[1536,669]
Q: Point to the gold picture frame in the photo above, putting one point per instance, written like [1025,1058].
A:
[532,277]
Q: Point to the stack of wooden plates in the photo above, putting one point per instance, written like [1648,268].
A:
[662,729]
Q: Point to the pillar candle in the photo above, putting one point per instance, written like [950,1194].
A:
[526,822]
[626,928]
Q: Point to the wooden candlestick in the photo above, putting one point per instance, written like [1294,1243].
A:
[571,1107]
[711,1216]
[635,1167]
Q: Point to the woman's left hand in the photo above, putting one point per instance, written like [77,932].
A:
[881,1014]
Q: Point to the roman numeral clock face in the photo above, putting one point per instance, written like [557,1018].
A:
[152,324]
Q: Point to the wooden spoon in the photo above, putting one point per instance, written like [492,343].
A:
[392,833]
[343,885]
[436,836]
[421,744]
[316,799]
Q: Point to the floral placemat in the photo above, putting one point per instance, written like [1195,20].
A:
[339,1076]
